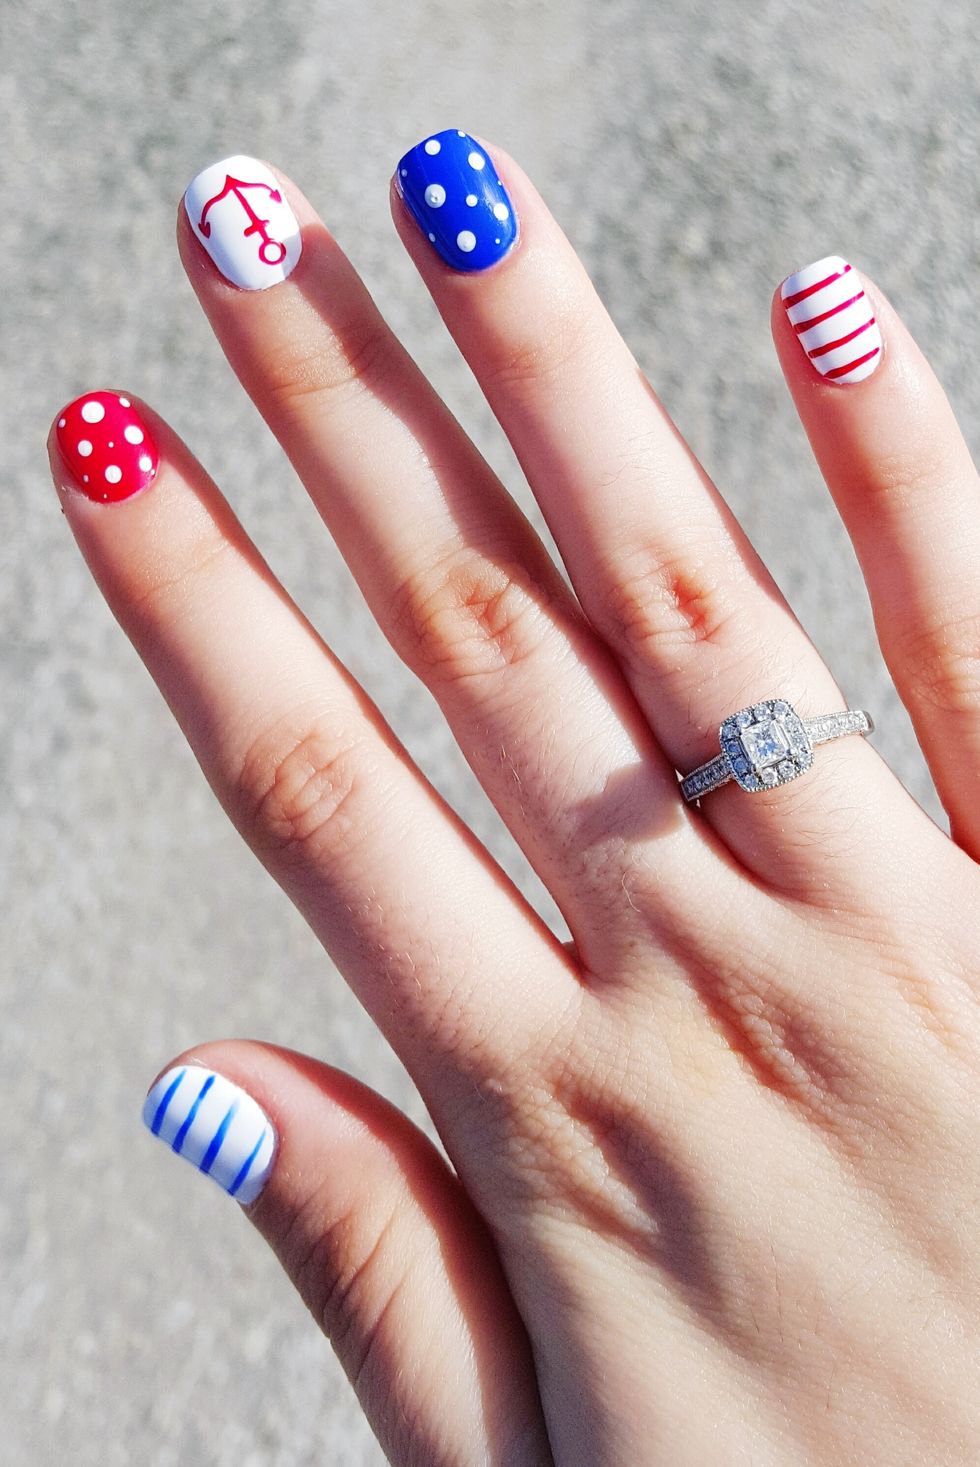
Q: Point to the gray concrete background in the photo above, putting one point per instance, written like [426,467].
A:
[695,153]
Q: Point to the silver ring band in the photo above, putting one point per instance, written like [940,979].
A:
[768,745]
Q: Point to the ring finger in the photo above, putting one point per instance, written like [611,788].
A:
[660,565]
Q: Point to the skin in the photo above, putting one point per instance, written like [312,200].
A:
[714,1173]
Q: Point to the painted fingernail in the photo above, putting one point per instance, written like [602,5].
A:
[107,446]
[833,319]
[451,189]
[215,1126]
[238,212]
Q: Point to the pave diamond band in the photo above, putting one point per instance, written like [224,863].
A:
[768,745]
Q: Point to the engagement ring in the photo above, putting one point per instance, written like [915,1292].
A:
[768,745]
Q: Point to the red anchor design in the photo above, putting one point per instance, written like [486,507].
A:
[271,251]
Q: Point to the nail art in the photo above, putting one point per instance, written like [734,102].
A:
[215,1126]
[451,189]
[107,446]
[239,214]
[833,319]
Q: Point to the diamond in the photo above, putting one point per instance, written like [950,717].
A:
[763,739]
[766,742]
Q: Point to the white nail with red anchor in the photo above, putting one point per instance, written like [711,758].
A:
[239,213]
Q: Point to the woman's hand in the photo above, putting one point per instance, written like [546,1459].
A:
[716,1163]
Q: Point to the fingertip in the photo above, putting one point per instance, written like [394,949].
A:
[213,1122]
[101,445]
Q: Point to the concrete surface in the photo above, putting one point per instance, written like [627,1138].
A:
[695,153]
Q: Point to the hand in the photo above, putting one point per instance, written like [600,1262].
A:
[714,1164]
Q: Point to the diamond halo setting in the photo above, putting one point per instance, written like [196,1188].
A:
[769,745]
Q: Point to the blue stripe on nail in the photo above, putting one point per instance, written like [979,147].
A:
[247,1164]
[208,1159]
[181,1136]
[164,1105]
[451,189]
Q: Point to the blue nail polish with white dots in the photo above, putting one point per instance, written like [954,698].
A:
[451,189]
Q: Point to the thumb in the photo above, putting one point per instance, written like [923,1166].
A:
[379,1238]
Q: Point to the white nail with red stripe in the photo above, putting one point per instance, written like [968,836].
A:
[833,319]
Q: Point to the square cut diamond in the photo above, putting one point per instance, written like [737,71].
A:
[766,745]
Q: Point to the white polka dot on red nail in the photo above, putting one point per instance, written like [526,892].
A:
[107,446]
[466,240]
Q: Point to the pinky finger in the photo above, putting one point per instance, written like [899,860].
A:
[379,1239]
[896,463]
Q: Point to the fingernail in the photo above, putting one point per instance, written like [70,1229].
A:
[215,1126]
[833,319]
[451,189]
[241,217]
[107,446]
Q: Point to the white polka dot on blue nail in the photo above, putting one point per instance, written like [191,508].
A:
[450,187]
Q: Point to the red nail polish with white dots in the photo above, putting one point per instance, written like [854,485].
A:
[107,446]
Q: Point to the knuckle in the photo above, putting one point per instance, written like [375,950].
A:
[300,790]
[354,356]
[663,606]
[555,347]
[157,588]
[345,1271]
[465,616]
[942,666]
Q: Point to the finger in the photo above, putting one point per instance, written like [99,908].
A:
[454,574]
[378,1237]
[660,565]
[895,460]
[301,761]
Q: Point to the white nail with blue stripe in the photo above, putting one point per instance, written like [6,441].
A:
[215,1126]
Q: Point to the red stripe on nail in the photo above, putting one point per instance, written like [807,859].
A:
[801,295]
[821,351]
[801,326]
[107,446]
[858,362]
